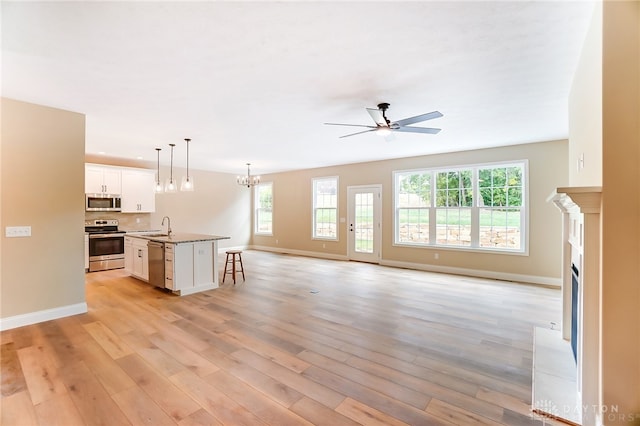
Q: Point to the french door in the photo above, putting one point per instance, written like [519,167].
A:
[364,228]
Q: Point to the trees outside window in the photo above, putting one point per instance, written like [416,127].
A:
[325,208]
[263,203]
[476,206]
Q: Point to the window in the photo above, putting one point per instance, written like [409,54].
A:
[325,208]
[476,207]
[264,208]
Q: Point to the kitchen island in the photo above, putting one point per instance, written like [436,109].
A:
[184,263]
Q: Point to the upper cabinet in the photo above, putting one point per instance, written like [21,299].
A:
[138,194]
[102,179]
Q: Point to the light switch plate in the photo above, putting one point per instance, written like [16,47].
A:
[17,231]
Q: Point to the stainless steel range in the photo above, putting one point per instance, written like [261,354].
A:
[106,244]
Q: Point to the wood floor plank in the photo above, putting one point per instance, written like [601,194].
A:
[371,397]
[457,415]
[109,341]
[42,377]
[200,418]
[383,385]
[320,415]
[300,383]
[258,403]
[90,398]
[278,391]
[140,409]
[215,402]
[265,350]
[17,410]
[105,368]
[11,375]
[58,411]
[365,414]
[173,402]
[186,357]
[156,357]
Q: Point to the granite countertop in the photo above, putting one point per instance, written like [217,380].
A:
[180,237]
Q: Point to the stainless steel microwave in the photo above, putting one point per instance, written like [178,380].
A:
[103,203]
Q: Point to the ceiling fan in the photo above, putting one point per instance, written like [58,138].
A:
[384,126]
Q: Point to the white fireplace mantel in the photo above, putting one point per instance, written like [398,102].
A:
[581,208]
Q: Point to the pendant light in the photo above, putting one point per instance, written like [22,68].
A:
[187,181]
[248,180]
[171,185]
[159,188]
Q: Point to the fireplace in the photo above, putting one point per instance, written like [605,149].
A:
[575,296]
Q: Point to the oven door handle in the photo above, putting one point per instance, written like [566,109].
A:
[92,236]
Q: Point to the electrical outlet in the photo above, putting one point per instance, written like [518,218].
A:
[324,246]
[436,256]
[276,241]
[17,231]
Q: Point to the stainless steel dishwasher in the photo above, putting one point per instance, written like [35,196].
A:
[156,263]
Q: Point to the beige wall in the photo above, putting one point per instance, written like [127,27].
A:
[547,170]
[621,209]
[42,165]
[218,206]
[585,110]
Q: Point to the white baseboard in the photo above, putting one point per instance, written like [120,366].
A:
[301,252]
[479,273]
[42,316]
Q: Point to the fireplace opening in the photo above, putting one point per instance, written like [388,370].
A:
[575,283]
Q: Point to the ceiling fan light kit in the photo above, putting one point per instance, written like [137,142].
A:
[384,126]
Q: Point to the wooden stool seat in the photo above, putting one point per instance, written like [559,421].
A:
[231,259]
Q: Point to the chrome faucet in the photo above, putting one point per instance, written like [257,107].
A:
[168,225]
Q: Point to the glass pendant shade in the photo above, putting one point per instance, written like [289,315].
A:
[170,186]
[187,181]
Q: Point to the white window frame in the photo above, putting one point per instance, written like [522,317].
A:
[257,208]
[475,208]
[314,207]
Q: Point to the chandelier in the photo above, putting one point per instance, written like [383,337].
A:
[248,180]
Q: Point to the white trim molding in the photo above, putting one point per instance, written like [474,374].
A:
[42,316]
[301,252]
[552,282]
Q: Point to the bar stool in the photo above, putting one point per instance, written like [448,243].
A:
[233,261]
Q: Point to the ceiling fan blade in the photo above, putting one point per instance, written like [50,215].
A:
[352,125]
[377,116]
[419,118]
[409,129]
[357,133]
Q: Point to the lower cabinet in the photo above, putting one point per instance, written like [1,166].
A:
[189,267]
[136,257]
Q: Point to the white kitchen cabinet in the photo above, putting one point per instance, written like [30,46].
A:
[128,255]
[138,194]
[102,179]
[139,258]
[190,267]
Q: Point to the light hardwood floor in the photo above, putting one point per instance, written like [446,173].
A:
[302,341]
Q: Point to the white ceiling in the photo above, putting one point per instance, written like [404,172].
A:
[255,81]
